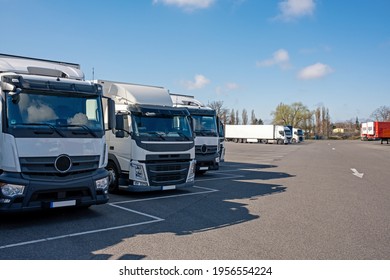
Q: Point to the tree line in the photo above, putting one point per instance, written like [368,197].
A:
[315,123]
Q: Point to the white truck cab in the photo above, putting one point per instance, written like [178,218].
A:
[152,147]
[52,136]
[207,143]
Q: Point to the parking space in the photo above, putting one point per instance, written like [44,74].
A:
[265,202]
[133,211]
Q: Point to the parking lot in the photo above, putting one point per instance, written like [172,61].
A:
[300,201]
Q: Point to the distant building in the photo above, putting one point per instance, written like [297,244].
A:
[338,130]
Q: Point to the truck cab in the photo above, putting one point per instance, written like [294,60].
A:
[207,143]
[52,142]
[297,136]
[152,145]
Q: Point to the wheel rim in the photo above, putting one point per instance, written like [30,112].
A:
[112,177]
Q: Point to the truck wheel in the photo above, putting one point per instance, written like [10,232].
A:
[114,176]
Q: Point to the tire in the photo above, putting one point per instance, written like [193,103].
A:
[113,186]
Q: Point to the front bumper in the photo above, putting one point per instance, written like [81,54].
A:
[60,192]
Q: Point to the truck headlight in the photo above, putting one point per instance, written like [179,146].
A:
[139,172]
[11,190]
[102,184]
[191,171]
[138,183]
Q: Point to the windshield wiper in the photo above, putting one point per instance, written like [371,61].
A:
[43,124]
[86,128]
[157,133]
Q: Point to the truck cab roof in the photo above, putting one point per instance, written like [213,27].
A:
[41,67]
[136,94]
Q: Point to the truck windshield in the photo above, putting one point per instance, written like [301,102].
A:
[205,125]
[66,115]
[167,127]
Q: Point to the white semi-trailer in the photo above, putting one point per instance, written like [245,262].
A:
[205,122]
[278,134]
[52,137]
[153,145]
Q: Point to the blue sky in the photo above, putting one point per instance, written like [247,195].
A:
[251,54]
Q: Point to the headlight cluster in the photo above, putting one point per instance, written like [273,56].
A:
[102,184]
[191,171]
[139,175]
[11,190]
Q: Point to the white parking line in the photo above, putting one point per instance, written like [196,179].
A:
[221,178]
[164,197]
[115,204]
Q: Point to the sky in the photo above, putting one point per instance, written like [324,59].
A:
[249,54]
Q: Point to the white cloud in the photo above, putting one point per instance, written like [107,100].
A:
[225,89]
[315,71]
[187,5]
[292,9]
[200,81]
[280,58]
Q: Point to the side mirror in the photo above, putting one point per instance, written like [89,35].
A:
[111,113]
[192,125]
[119,122]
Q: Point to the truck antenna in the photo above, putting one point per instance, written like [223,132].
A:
[93,73]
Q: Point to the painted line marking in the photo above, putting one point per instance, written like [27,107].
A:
[356,173]
[115,204]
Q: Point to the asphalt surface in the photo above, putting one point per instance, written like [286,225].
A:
[313,200]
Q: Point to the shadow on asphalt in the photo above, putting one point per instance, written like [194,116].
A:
[218,201]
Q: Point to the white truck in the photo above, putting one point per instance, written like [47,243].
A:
[205,122]
[297,135]
[278,134]
[152,147]
[52,144]
[363,132]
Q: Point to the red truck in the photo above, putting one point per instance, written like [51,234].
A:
[382,131]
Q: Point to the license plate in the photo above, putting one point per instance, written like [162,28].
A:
[203,168]
[62,203]
[168,187]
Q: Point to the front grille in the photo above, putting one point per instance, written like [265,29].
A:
[66,194]
[44,167]
[167,173]
[206,150]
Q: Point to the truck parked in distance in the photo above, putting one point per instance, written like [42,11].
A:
[382,131]
[152,147]
[363,131]
[370,131]
[52,137]
[205,123]
[297,135]
[278,134]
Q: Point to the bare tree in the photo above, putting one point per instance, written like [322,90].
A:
[237,118]
[253,117]
[220,110]
[318,121]
[244,117]
[232,117]
[381,114]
